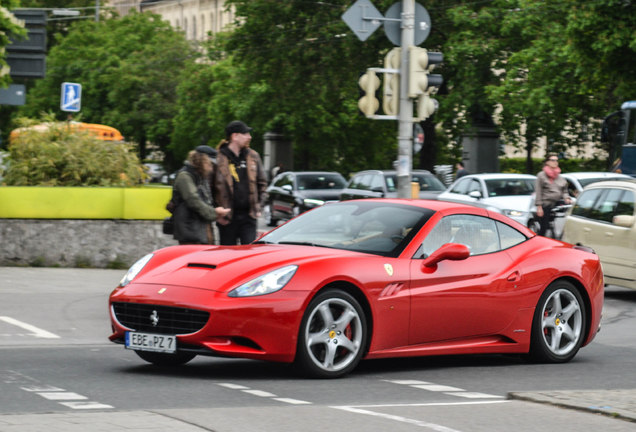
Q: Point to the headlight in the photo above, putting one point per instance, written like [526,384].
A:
[266,284]
[312,202]
[514,213]
[134,270]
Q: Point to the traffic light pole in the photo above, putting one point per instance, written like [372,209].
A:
[405,116]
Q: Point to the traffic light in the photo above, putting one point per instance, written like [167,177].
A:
[420,64]
[426,106]
[369,104]
[391,97]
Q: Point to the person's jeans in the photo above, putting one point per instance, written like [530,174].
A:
[242,228]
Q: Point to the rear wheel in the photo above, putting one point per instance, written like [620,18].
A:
[333,335]
[163,359]
[559,323]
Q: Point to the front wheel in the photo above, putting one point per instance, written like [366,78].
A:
[333,335]
[559,323]
[163,359]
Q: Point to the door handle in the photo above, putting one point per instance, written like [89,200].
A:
[514,277]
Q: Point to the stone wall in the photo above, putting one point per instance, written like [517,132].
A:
[79,243]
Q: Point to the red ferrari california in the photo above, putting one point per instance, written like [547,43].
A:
[360,280]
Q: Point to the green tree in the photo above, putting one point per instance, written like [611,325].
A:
[129,69]
[9,26]
[293,67]
[544,69]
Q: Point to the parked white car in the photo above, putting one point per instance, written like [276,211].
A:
[604,218]
[578,180]
[511,194]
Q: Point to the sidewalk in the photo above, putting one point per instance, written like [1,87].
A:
[617,404]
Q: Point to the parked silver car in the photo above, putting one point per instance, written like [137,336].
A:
[512,194]
[383,184]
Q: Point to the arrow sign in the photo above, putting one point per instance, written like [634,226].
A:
[71,97]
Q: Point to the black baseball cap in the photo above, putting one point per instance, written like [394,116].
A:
[236,126]
[205,149]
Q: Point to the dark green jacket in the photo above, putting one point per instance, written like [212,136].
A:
[194,211]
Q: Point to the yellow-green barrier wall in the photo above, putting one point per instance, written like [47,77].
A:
[143,203]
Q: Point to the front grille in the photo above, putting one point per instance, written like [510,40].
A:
[160,319]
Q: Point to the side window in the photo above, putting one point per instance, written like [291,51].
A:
[282,181]
[377,182]
[461,186]
[572,190]
[358,182]
[474,185]
[606,205]
[476,232]
[585,202]
[508,236]
[626,204]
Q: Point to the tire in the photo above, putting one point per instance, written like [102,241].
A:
[534,225]
[332,336]
[559,323]
[268,215]
[163,359]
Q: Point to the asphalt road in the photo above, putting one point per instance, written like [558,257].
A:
[57,365]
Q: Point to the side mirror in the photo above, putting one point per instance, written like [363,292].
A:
[448,251]
[475,194]
[287,188]
[626,221]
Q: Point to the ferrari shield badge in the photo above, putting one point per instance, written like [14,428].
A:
[389,269]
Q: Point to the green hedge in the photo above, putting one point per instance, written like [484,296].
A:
[518,165]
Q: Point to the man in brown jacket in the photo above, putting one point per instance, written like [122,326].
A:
[239,184]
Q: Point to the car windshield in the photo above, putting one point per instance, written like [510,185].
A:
[509,186]
[428,182]
[321,181]
[363,226]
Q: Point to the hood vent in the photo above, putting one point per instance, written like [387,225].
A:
[200,265]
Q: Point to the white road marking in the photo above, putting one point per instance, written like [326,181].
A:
[292,401]
[233,386]
[37,332]
[474,395]
[362,409]
[79,405]
[69,399]
[57,396]
[451,391]
[262,393]
[432,426]
[437,388]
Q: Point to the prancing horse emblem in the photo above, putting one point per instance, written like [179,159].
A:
[154,318]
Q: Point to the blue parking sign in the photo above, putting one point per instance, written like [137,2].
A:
[71,97]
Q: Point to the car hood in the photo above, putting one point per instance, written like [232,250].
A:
[321,194]
[223,268]
[511,202]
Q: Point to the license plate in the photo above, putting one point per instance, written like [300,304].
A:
[151,342]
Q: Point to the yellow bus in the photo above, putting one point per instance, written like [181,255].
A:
[102,132]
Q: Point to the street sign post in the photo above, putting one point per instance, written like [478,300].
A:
[71,97]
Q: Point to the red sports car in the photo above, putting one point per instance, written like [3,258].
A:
[360,280]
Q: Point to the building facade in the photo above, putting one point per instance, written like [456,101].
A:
[197,18]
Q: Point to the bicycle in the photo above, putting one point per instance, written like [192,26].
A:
[556,213]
